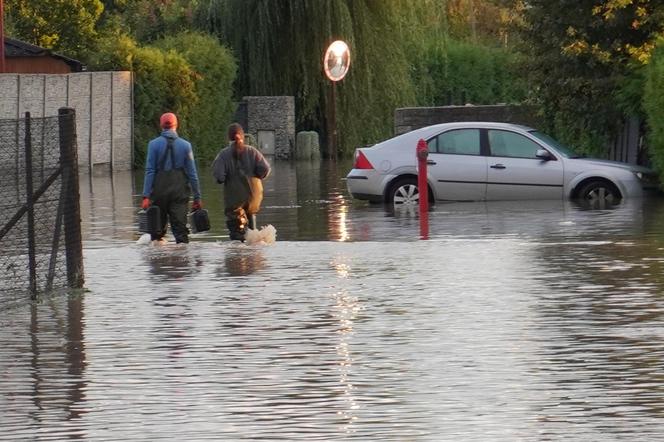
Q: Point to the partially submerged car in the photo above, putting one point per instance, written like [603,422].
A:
[484,161]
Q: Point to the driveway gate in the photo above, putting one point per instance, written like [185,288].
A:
[40,227]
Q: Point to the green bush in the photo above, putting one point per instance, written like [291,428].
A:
[215,70]
[163,82]
[188,74]
[653,104]
[460,73]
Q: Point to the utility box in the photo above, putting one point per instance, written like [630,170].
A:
[271,120]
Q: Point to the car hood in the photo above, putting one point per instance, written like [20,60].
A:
[610,163]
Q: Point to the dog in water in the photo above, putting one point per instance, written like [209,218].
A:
[264,235]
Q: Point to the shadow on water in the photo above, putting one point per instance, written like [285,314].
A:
[515,321]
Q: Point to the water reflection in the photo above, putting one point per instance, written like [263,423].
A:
[172,261]
[43,368]
[242,260]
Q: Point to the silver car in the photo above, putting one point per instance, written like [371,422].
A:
[478,161]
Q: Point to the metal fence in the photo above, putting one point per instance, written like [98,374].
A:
[40,232]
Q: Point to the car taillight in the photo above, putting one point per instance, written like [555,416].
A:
[361,161]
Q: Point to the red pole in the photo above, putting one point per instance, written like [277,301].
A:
[2,37]
[422,153]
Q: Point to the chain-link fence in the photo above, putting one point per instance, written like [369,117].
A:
[40,235]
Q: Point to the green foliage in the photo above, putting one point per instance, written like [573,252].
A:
[215,70]
[188,74]
[463,73]
[581,62]
[653,103]
[149,20]
[67,27]
[163,82]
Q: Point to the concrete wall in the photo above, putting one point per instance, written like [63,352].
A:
[103,103]
[273,114]
[410,118]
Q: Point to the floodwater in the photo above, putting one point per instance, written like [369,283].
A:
[536,321]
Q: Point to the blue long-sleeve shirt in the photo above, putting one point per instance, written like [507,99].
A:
[183,157]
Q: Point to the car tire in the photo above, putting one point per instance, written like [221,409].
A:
[404,193]
[600,193]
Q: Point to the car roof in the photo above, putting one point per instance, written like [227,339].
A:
[475,124]
[429,131]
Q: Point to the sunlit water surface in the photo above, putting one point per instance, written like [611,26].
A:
[511,321]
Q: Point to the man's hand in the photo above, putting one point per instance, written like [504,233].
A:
[196,205]
[146,203]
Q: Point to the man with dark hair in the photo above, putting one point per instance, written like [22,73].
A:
[170,178]
[241,169]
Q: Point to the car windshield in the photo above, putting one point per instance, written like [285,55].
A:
[562,149]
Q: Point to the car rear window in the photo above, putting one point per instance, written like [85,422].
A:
[458,141]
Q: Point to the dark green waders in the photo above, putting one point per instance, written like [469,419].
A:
[171,193]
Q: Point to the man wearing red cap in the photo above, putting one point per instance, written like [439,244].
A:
[170,178]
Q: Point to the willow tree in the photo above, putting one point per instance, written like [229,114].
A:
[279,46]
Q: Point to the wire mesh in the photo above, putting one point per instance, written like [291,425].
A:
[32,255]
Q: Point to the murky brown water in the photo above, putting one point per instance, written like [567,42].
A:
[513,321]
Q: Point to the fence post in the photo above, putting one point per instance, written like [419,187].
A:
[72,206]
[29,200]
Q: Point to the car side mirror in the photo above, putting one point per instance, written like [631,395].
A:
[543,154]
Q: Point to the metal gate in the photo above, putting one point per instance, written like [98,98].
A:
[40,229]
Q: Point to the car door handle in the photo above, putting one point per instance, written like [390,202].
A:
[497,166]
[431,162]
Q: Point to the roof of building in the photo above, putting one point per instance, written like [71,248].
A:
[18,48]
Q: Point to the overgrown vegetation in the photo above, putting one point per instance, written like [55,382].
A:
[654,106]
[463,72]
[582,56]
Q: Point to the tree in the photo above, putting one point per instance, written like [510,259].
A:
[149,20]
[279,46]
[581,52]
[68,26]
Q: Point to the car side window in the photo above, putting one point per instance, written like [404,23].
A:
[458,141]
[509,144]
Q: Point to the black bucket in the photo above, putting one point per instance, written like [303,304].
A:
[199,221]
[149,220]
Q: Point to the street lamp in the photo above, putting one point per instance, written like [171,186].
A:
[335,64]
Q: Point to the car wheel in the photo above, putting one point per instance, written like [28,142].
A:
[404,193]
[600,193]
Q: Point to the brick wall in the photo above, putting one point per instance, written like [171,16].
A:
[103,103]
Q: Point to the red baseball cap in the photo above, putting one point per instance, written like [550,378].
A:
[168,121]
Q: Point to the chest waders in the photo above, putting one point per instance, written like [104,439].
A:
[171,193]
[243,195]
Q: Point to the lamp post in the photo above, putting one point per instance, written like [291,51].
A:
[335,64]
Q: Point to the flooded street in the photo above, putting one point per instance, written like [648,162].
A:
[533,321]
